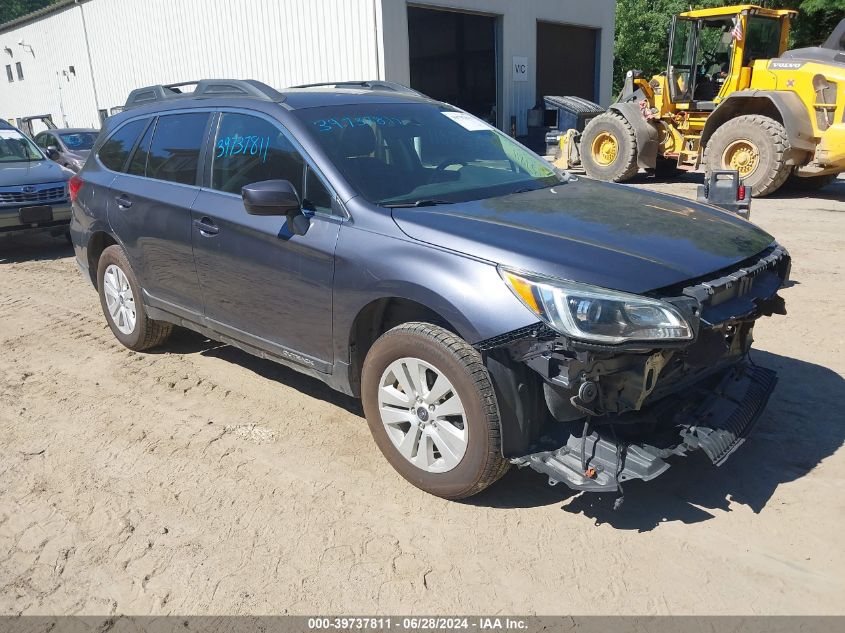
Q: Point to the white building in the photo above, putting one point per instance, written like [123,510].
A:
[77,60]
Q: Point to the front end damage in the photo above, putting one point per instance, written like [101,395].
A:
[593,416]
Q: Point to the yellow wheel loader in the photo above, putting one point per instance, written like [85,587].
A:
[732,97]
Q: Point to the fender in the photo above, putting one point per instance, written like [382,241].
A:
[644,132]
[787,106]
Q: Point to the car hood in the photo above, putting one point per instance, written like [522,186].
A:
[608,235]
[31,173]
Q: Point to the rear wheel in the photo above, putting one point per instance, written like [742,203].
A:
[609,148]
[120,298]
[755,146]
[430,406]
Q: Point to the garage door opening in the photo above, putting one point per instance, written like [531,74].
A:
[566,60]
[453,58]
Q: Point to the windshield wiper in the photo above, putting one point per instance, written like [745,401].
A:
[417,203]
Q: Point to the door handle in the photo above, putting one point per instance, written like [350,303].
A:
[123,201]
[206,227]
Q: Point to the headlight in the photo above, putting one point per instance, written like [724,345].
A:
[594,314]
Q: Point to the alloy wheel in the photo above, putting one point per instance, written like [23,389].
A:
[120,300]
[423,415]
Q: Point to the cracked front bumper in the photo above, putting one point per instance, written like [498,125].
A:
[715,416]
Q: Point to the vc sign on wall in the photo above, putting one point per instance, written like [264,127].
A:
[520,69]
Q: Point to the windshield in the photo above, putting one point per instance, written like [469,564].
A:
[15,147]
[421,153]
[79,140]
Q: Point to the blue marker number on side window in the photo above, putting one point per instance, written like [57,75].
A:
[236,145]
[328,125]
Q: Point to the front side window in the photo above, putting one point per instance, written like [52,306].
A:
[681,61]
[79,140]
[19,68]
[250,149]
[115,151]
[9,74]
[713,58]
[405,153]
[175,148]
[15,147]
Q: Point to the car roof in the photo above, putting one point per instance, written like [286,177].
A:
[318,96]
[295,99]
[72,130]
[212,92]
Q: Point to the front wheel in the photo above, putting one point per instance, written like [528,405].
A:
[431,408]
[609,148]
[120,298]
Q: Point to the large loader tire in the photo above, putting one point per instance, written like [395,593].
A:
[609,148]
[756,147]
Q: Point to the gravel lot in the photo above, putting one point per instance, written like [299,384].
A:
[201,480]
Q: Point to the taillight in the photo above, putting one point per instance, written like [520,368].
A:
[740,192]
[73,186]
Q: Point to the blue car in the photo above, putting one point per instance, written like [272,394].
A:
[34,193]
[487,309]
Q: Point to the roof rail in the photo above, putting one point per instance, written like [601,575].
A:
[204,88]
[368,84]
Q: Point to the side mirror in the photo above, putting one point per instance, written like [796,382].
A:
[52,151]
[276,197]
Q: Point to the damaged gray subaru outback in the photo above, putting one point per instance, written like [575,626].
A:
[487,309]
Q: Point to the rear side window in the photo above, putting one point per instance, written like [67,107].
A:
[175,148]
[115,151]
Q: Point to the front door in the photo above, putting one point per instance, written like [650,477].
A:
[260,283]
[150,210]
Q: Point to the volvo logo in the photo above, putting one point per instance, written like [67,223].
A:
[28,189]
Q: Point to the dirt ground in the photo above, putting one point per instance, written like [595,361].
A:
[200,480]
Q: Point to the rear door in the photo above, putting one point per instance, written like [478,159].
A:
[260,283]
[150,210]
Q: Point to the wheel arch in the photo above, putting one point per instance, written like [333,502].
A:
[784,107]
[98,242]
[380,315]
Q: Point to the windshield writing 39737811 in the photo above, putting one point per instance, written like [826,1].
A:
[340,123]
[236,145]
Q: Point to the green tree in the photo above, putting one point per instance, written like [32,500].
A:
[11,9]
[642,29]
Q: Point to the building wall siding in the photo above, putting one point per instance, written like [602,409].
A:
[44,89]
[282,42]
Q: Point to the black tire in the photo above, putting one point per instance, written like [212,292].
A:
[482,463]
[146,333]
[812,183]
[624,165]
[769,138]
